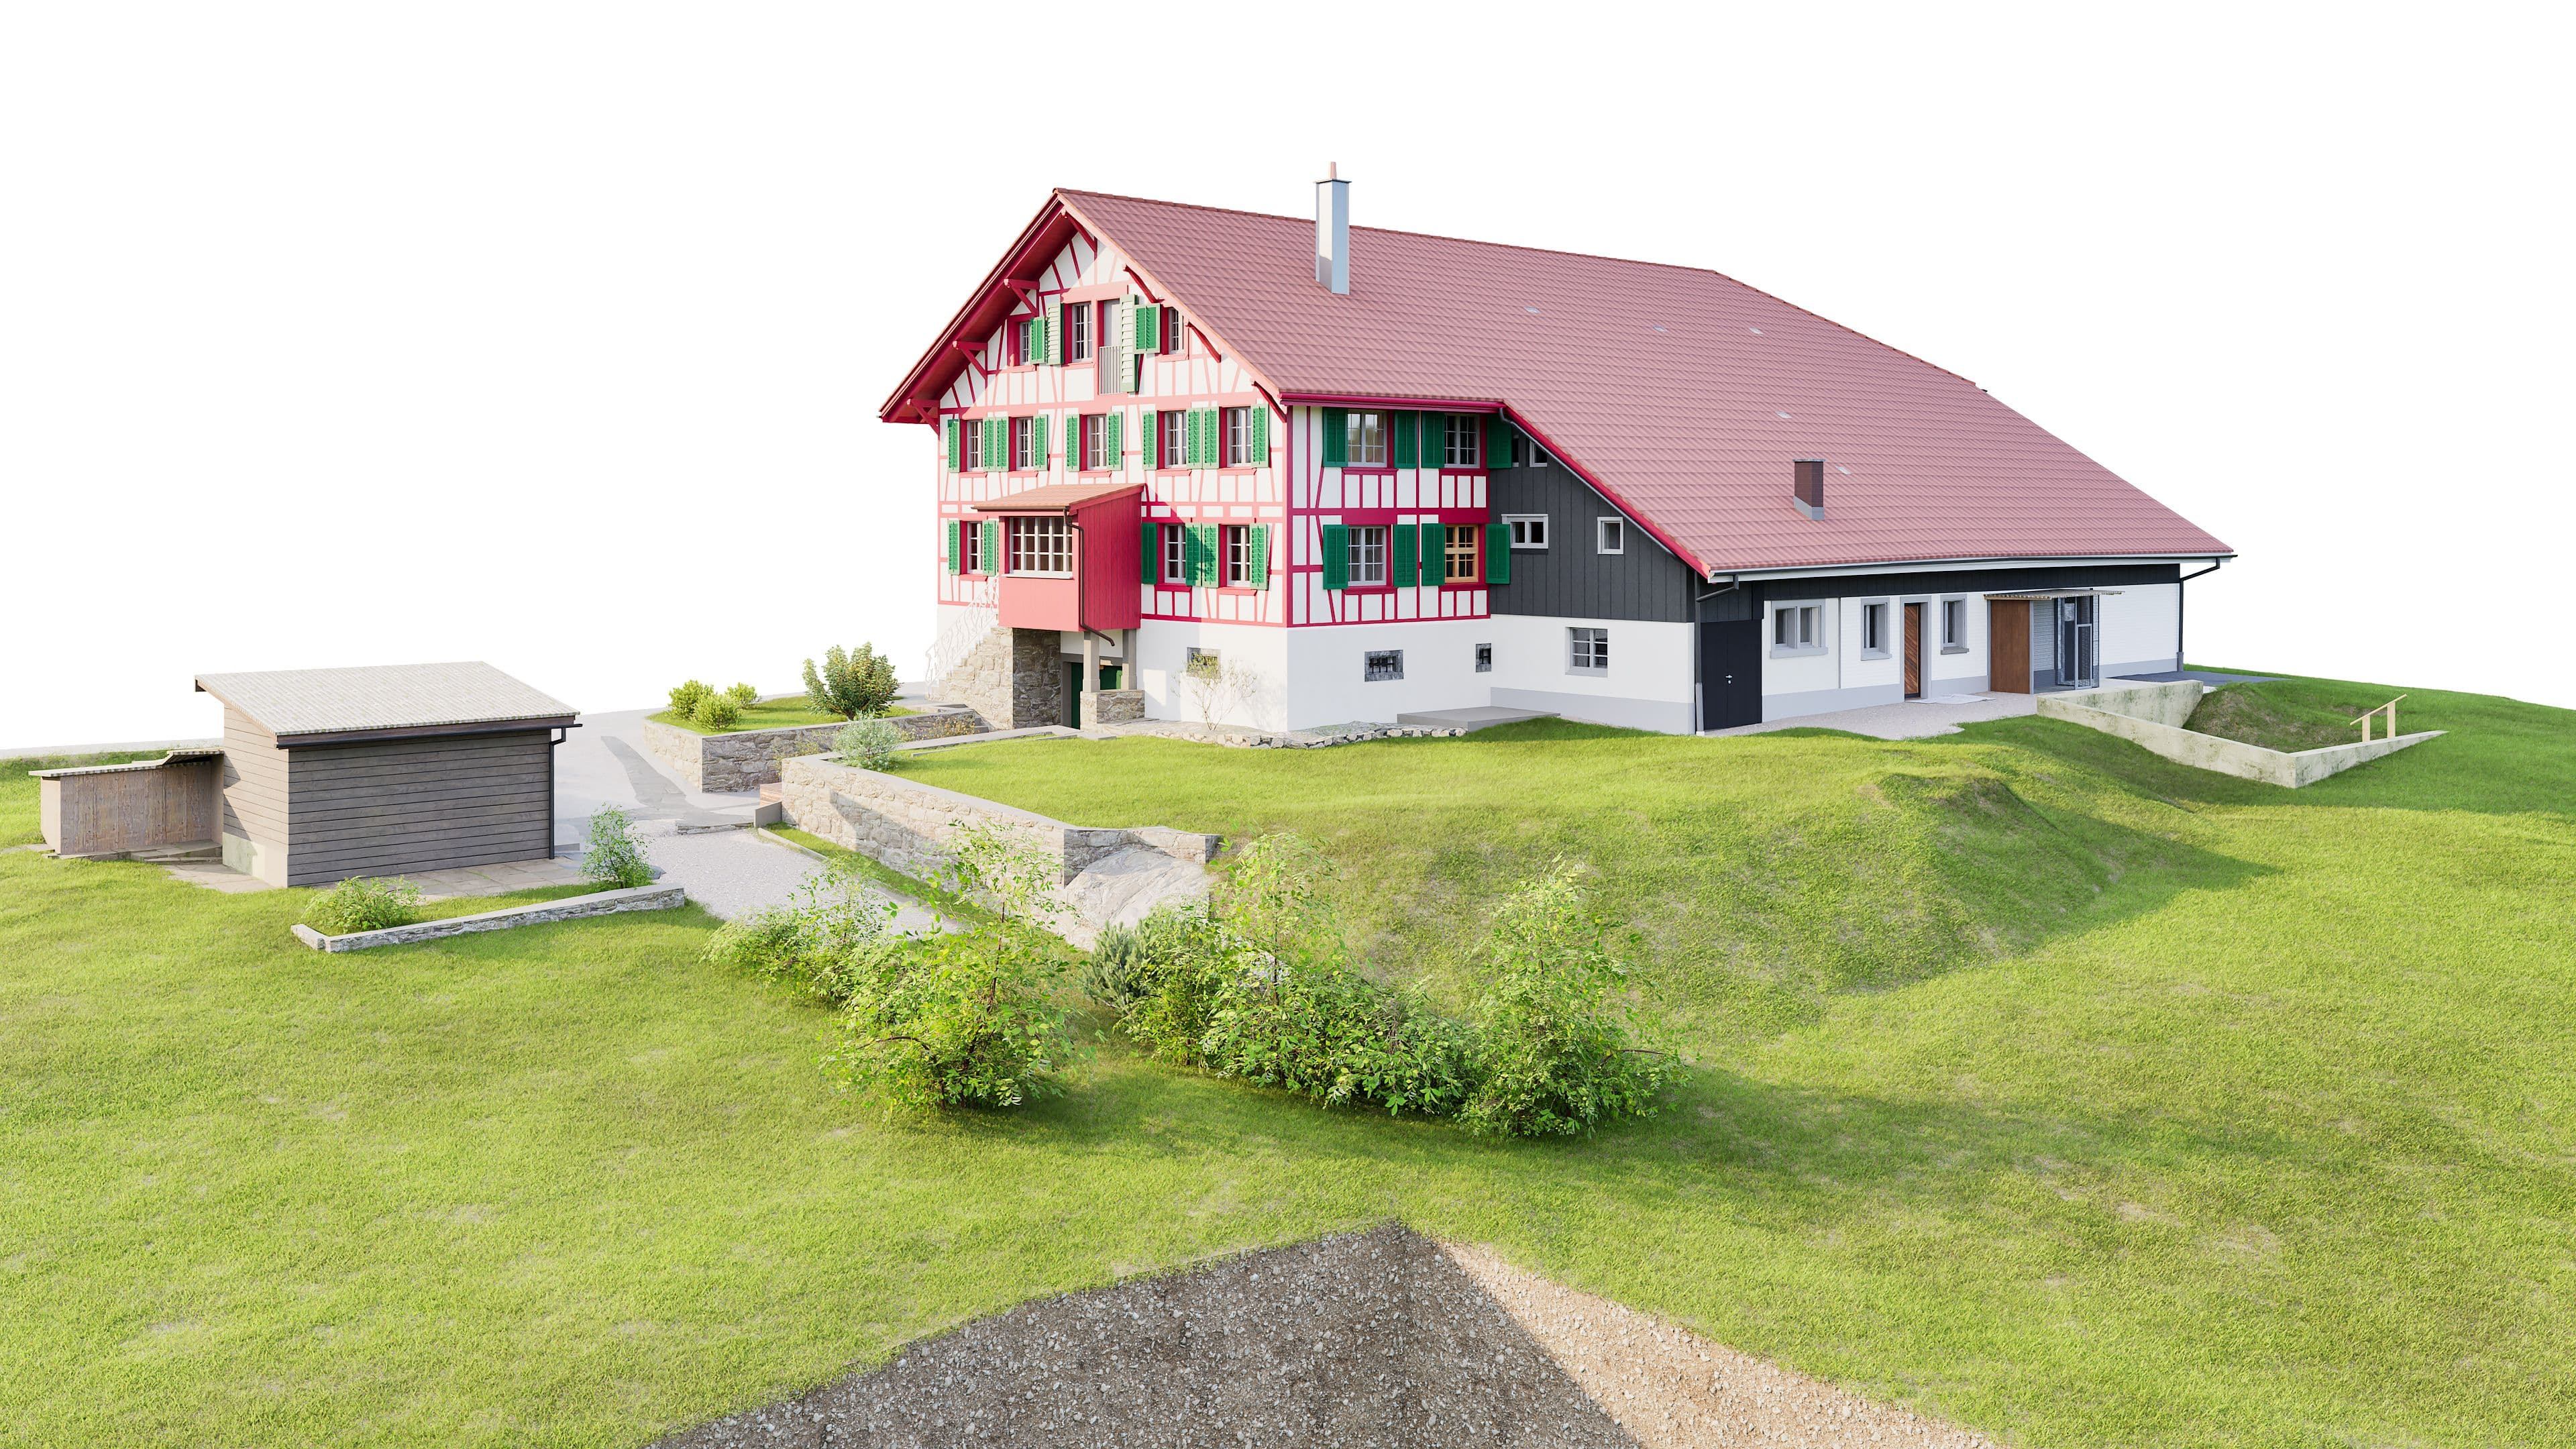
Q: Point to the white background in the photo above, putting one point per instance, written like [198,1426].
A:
[554,335]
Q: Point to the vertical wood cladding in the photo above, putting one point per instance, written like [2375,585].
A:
[386,807]
[1571,578]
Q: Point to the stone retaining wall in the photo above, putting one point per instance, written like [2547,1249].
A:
[748,759]
[1012,677]
[2138,713]
[905,824]
[600,903]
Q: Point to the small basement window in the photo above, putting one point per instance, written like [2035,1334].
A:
[1529,531]
[1203,664]
[1587,651]
[1484,659]
[1613,536]
[1380,664]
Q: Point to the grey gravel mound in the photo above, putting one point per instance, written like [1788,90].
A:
[1360,1339]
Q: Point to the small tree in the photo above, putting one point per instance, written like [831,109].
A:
[1556,1049]
[613,855]
[1216,685]
[850,683]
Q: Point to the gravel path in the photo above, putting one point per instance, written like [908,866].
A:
[1382,1338]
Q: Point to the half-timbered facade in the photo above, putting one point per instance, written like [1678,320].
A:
[1179,476]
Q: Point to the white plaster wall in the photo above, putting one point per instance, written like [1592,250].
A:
[1163,652]
[2142,625]
[1648,661]
[1968,668]
[1806,673]
[1329,673]
[1841,678]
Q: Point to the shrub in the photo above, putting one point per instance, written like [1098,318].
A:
[867,743]
[830,935]
[612,854]
[850,684]
[1110,975]
[1556,1050]
[956,1019]
[685,697]
[717,712]
[360,904]
[743,695]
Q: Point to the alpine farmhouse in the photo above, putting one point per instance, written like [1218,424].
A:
[1202,464]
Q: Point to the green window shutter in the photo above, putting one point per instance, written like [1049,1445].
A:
[1196,442]
[1257,422]
[1435,553]
[1073,458]
[1402,574]
[1336,437]
[1256,554]
[952,440]
[1149,433]
[956,560]
[1116,444]
[1199,553]
[1150,568]
[1149,326]
[997,443]
[1498,443]
[992,545]
[1498,553]
[1053,323]
[1405,456]
[1041,435]
[1337,556]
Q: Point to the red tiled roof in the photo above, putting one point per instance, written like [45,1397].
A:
[1055,497]
[1683,394]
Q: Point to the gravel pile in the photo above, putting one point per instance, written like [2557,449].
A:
[1381,1338]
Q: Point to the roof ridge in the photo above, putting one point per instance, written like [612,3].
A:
[1468,241]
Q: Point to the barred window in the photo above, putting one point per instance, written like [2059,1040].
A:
[1378,664]
[1368,556]
[1041,546]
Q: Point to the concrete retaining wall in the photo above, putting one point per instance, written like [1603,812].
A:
[602,903]
[748,759]
[2137,713]
[905,824]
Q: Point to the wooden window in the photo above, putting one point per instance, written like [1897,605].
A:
[1587,651]
[1077,332]
[1368,556]
[1612,536]
[1466,441]
[1176,554]
[1041,546]
[1363,440]
[1381,664]
[1458,560]
[1529,531]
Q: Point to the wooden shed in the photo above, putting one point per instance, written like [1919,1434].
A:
[332,773]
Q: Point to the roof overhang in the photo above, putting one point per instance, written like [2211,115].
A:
[1054,498]
[1953,565]
[916,400]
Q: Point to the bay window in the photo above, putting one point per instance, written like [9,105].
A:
[1042,546]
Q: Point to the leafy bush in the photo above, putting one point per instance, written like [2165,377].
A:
[360,904]
[850,684]
[717,712]
[867,743]
[1182,956]
[612,854]
[743,695]
[1109,976]
[833,933]
[1556,1049]
[686,695]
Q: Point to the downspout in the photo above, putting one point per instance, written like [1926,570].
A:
[2180,594]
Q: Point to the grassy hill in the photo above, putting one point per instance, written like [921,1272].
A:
[2042,1084]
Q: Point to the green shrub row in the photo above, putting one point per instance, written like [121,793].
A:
[715,709]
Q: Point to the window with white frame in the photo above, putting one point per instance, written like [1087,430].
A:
[1077,331]
[1174,425]
[1465,444]
[1873,630]
[1529,531]
[1612,536]
[1238,439]
[1368,556]
[970,547]
[1537,455]
[1041,546]
[1954,625]
[1235,545]
[1587,651]
[1363,440]
[1380,664]
[1024,440]
[1176,554]
[1095,442]
[971,454]
[1798,628]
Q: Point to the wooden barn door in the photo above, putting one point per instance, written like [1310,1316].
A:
[1914,651]
[2008,643]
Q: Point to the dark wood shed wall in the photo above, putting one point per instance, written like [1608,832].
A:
[253,781]
[390,806]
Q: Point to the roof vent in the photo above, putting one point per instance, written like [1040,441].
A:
[1807,488]
[1333,231]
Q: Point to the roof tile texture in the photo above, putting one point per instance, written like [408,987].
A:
[381,696]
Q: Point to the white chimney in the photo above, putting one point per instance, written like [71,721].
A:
[1333,231]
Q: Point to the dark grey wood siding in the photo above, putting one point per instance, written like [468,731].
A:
[388,807]
[1570,578]
[253,781]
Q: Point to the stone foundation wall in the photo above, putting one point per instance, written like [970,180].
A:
[905,824]
[748,759]
[1012,677]
[1112,706]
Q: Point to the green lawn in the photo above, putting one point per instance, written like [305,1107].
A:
[769,714]
[2296,714]
[2041,1084]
